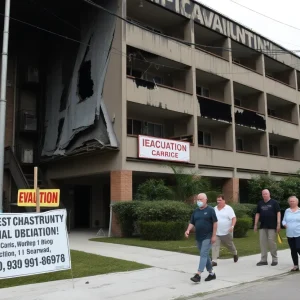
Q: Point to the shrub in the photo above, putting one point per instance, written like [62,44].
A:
[163,211]
[257,184]
[162,231]
[126,213]
[212,197]
[242,226]
[241,210]
[153,189]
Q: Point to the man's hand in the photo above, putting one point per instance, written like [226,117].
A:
[231,229]
[255,228]
[278,228]
[187,233]
[213,239]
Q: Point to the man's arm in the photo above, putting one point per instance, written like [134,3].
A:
[257,215]
[214,233]
[278,221]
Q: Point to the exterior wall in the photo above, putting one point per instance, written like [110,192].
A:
[231,190]
[120,190]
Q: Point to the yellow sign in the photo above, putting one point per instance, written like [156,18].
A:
[48,198]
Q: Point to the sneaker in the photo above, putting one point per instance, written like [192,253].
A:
[196,278]
[235,258]
[262,263]
[210,277]
[214,264]
[274,263]
[295,269]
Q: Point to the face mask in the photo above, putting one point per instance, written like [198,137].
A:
[200,203]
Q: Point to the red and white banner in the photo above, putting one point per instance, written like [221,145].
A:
[163,149]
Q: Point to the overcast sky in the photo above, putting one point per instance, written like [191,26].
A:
[286,11]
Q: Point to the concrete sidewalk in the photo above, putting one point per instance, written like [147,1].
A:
[168,279]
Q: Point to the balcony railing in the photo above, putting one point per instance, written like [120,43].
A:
[249,118]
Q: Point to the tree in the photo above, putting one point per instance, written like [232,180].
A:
[259,183]
[188,185]
[154,189]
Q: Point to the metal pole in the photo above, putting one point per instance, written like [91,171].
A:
[3,96]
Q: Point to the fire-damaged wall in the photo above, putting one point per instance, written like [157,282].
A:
[75,110]
[250,119]
[215,109]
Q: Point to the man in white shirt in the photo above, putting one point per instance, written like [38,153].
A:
[226,222]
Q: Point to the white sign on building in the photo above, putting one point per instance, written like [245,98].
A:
[33,243]
[163,149]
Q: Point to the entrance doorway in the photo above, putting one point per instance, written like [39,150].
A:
[82,206]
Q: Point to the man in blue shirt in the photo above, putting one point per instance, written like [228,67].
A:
[205,221]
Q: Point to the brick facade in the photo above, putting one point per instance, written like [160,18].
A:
[231,190]
[120,190]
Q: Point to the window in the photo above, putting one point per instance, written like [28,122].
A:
[239,144]
[204,138]
[154,78]
[202,91]
[237,102]
[136,127]
[271,112]
[273,150]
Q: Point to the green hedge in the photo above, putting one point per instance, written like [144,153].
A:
[163,211]
[242,226]
[162,231]
[126,213]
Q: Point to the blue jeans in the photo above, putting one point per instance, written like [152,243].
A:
[205,261]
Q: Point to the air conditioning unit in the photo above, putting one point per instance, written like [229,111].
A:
[27,156]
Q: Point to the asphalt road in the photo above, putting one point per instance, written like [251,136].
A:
[274,288]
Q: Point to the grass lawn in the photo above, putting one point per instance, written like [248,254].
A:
[245,246]
[83,264]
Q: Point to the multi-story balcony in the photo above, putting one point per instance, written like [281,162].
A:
[282,117]
[158,20]
[283,147]
[211,42]
[246,57]
[213,93]
[280,72]
[249,107]
[157,81]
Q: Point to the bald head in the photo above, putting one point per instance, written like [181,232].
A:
[202,198]
[266,195]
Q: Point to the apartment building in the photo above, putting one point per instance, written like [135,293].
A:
[182,84]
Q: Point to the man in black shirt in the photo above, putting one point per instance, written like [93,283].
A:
[268,213]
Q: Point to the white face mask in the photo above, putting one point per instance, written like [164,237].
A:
[200,203]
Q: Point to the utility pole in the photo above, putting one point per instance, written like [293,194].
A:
[3,96]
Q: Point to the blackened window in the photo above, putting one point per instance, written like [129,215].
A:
[204,138]
[273,150]
[239,145]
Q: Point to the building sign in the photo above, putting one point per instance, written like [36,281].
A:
[48,198]
[33,243]
[219,23]
[163,149]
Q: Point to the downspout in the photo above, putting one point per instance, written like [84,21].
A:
[3,96]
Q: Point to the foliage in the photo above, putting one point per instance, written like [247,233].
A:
[257,184]
[162,231]
[188,185]
[126,213]
[212,197]
[242,226]
[163,211]
[154,189]
[290,186]
[241,210]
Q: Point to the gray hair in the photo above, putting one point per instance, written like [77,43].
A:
[297,200]
[203,195]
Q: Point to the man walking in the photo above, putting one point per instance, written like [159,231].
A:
[268,213]
[226,222]
[205,221]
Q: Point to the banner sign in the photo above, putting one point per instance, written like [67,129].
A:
[163,149]
[33,243]
[48,198]
[217,22]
